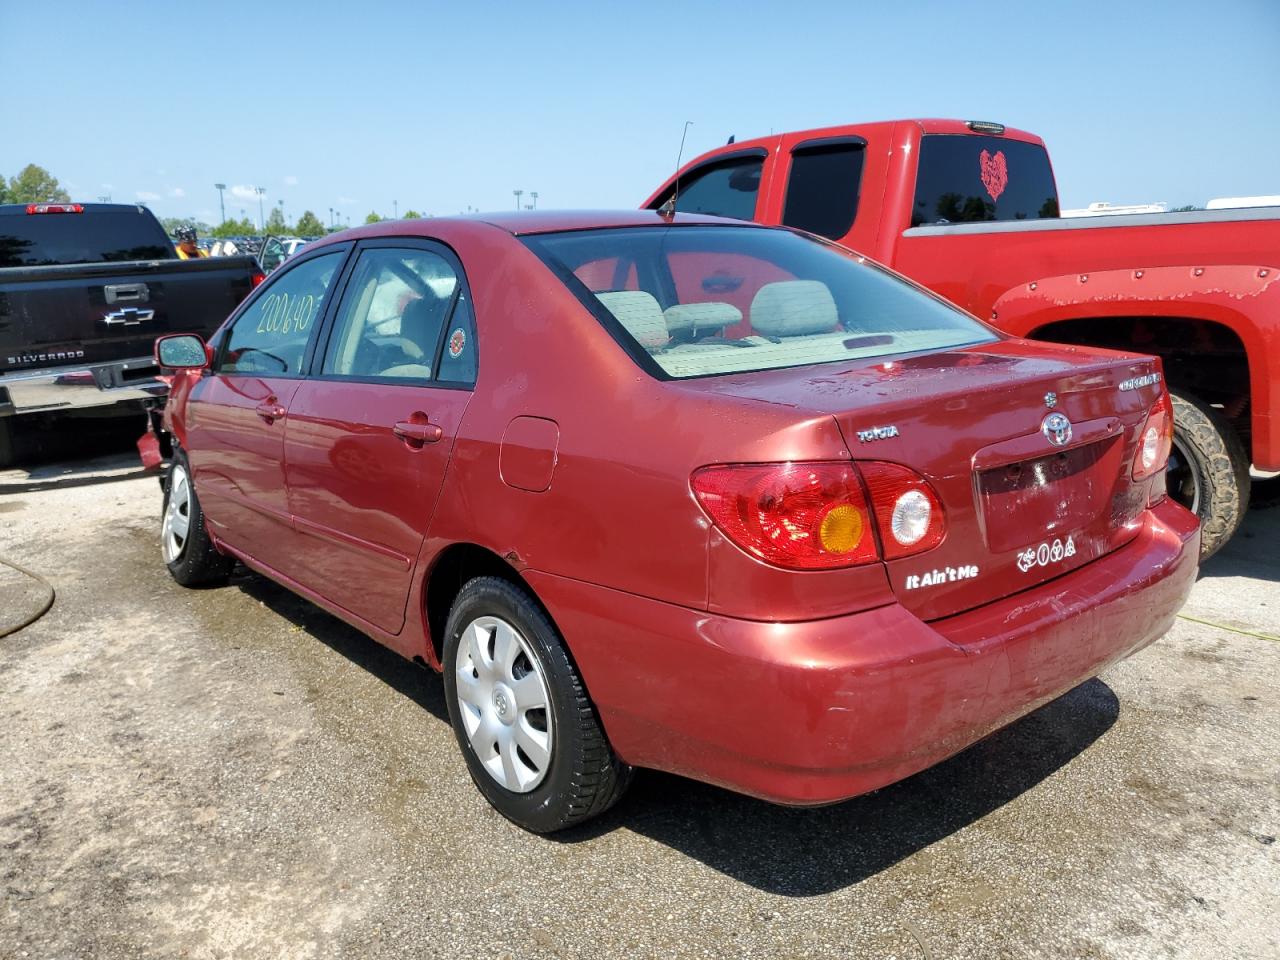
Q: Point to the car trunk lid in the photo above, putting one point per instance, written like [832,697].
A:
[1029,449]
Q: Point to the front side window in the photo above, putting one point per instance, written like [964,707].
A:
[822,190]
[393,316]
[270,337]
[713,300]
[727,188]
[964,179]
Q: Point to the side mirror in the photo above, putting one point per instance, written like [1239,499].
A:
[182,351]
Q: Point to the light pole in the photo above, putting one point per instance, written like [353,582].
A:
[262,223]
[517,193]
[331,223]
[283,218]
[534,194]
[395,209]
[221,206]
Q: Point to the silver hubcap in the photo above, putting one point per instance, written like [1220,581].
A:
[502,699]
[177,516]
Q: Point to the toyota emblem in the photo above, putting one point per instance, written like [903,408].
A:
[1056,429]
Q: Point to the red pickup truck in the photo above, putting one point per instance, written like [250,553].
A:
[970,210]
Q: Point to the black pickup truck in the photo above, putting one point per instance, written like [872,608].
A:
[85,289]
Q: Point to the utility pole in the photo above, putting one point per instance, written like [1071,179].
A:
[517,193]
[262,221]
[221,206]
[534,194]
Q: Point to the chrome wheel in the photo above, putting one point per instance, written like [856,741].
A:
[503,702]
[177,515]
[1182,479]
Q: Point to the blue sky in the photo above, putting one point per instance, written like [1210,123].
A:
[442,107]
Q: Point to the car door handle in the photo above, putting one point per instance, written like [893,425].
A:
[416,434]
[269,410]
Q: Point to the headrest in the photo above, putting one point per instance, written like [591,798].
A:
[688,320]
[640,313]
[793,308]
[420,322]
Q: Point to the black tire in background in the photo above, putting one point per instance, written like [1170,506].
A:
[194,561]
[1264,493]
[583,777]
[8,456]
[1208,470]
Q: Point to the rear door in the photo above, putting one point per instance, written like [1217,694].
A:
[236,416]
[371,431]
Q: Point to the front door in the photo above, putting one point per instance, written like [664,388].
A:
[371,432]
[237,416]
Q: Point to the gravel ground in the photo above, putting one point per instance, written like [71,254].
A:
[232,773]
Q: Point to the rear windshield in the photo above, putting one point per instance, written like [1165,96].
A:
[964,179]
[43,239]
[693,301]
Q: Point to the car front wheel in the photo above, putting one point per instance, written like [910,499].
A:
[530,735]
[185,544]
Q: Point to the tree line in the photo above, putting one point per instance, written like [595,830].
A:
[34,184]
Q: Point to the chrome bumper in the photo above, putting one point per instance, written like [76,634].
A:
[78,386]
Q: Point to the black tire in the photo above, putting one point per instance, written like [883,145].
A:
[583,777]
[195,561]
[1208,470]
[1264,494]
[8,455]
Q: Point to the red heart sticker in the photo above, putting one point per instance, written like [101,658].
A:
[995,173]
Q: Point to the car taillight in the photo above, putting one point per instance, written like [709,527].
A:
[1155,441]
[815,516]
[907,511]
[55,208]
[256,279]
[803,516]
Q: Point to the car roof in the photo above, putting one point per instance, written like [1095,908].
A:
[524,223]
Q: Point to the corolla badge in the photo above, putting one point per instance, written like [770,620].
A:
[1056,429]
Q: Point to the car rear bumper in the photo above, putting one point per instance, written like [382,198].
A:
[82,385]
[819,711]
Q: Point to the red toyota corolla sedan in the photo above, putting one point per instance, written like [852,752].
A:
[685,493]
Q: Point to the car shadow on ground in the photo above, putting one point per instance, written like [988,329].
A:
[1252,551]
[799,852]
[409,679]
[787,851]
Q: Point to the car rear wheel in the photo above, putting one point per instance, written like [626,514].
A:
[185,544]
[529,734]
[1208,470]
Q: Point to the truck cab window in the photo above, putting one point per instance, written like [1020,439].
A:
[822,189]
[727,188]
[965,179]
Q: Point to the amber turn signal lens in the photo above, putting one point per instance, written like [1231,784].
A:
[841,529]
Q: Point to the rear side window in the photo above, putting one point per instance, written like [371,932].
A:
[964,179]
[398,315]
[270,337]
[724,189]
[822,189]
[44,239]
